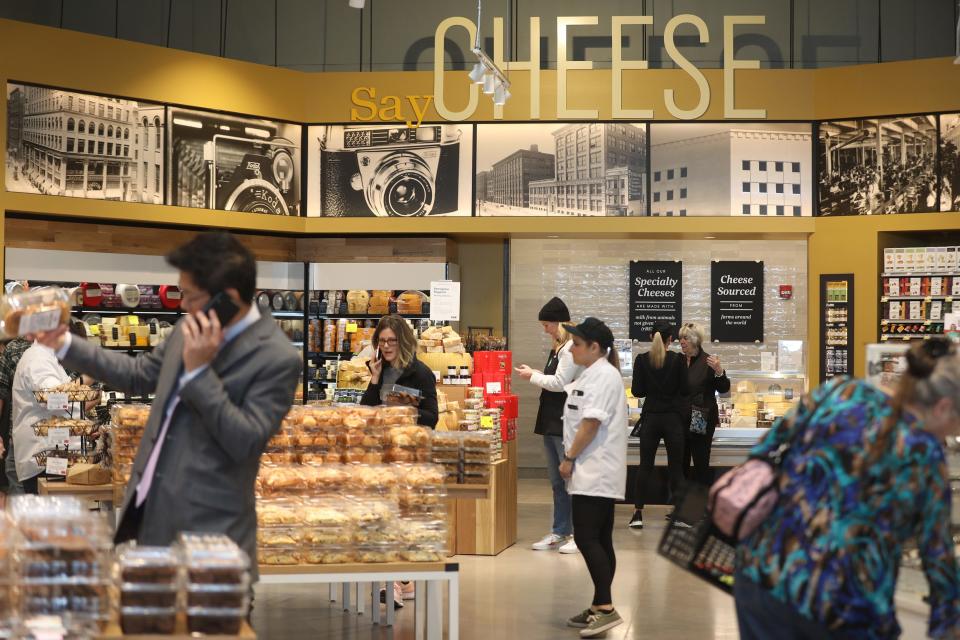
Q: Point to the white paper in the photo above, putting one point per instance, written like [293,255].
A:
[58,401]
[445,301]
[493,388]
[56,466]
[41,321]
[790,356]
[76,443]
[768,361]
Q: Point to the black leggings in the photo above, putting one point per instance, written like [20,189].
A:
[593,533]
[669,428]
[698,449]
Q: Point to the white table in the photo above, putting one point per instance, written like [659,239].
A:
[357,580]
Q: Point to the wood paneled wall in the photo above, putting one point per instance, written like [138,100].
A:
[395,249]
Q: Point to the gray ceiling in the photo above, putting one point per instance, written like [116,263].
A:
[327,35]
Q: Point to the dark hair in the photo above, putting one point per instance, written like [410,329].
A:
[217,261]
[666,330]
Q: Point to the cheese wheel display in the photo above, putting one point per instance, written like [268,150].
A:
[170,296]
[129,295]
[91,294]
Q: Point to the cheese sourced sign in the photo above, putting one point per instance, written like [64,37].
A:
[656,295]
[736,301]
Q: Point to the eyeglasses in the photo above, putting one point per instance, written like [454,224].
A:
[387,342]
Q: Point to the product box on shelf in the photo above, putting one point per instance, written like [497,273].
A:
[493,361]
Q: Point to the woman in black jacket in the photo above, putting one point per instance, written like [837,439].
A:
[396,362]
[660,376]
[705,378]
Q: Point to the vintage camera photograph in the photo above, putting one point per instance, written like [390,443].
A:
[233,163]
[67,143]
[576,169]
[878,165]
[366,170]
[755,169]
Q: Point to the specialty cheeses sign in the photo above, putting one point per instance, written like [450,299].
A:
[736,301]
[656,295]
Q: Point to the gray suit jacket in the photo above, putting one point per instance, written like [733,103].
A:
[208,466]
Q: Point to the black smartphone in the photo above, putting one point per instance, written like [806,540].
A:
[225,308]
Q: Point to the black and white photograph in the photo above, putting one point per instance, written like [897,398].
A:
[377,170]
[755,169]
[878,165]
[576,169]
[233,163]
[950,162]
[67,143]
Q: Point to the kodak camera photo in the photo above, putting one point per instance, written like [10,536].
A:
[220,161]
[390,170]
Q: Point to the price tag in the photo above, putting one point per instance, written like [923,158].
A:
[486,422]
[76,443]
[493,387]
[58,401]
[351,327]
[58,437]
[57,466]
[39,322]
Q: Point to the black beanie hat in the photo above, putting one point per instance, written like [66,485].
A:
[554,311]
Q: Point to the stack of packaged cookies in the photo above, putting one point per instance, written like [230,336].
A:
[127,423]
[149,583]
[217,580]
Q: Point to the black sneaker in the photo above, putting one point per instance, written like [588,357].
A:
[636,522]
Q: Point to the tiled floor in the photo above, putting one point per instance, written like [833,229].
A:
[528,595]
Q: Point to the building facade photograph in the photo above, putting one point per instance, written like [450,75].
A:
[724,170]
[82,145]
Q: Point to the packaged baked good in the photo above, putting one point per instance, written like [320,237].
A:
[213,559]
[327,512]
[374,552]
[218,596]
[215,621]
[34,311]
[277,536]
[376,514]
[357,301]
[147,565]
[398,415]
[276,480]
[325,536]
[476,474]
[328,478]
[278,555]
[148,595]
[419,475]
[328,555]
[410,437]
[148,621]
[400,454]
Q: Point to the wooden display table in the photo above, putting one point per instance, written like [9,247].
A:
[483,518]
[92,492]
[428,577]
[113,632]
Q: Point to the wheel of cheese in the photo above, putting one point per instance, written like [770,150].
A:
[170,296]
[129,295]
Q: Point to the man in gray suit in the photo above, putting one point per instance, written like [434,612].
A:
[221,392]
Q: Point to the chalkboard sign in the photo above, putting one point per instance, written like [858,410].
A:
[736,301]
[656,295]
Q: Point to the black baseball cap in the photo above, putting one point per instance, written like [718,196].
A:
[594,330]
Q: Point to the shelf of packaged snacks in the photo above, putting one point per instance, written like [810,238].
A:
[941,297]
[113,632]
[921,275]
[909,336]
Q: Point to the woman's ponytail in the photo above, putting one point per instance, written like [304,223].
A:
[658,351]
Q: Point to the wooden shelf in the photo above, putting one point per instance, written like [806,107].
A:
[113,632]
[57,488]
[357,567]
[468,491]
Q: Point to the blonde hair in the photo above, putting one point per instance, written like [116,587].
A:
[406,339]
[693,333]
[658,351]
[563,336]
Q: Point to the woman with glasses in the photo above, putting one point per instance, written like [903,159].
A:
[862,471]
[705,379]
[395,363]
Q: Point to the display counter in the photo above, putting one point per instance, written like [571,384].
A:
[730,448]
[483,519]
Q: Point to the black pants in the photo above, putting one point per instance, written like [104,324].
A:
[656,427]
[697,448]
[593,533]
[31,485]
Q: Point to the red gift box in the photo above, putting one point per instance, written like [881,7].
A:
[508,403]
[493,361]
[508,429]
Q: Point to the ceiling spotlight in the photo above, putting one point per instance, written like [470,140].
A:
[357,4]
[500,95]
[478,72]
[489,83]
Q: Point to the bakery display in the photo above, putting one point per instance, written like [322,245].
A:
[75,390]
[127,424]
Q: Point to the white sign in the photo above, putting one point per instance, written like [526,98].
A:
[58,401]
[493,388]
[58,437]
[768,361]
[56,466]
[445,301]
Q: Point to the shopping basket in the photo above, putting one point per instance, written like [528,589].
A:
[692,542]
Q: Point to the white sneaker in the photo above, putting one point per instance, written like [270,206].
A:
[569,547]
[549,542]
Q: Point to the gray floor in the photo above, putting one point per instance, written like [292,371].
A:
[526,594]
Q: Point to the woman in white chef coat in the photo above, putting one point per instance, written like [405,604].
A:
[595,464]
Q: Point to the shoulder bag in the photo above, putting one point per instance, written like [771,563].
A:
[741,499]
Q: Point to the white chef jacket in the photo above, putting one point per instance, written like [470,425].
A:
[567,371]
[38,369]
[601,468]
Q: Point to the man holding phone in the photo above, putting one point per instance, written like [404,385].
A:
[223,382]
